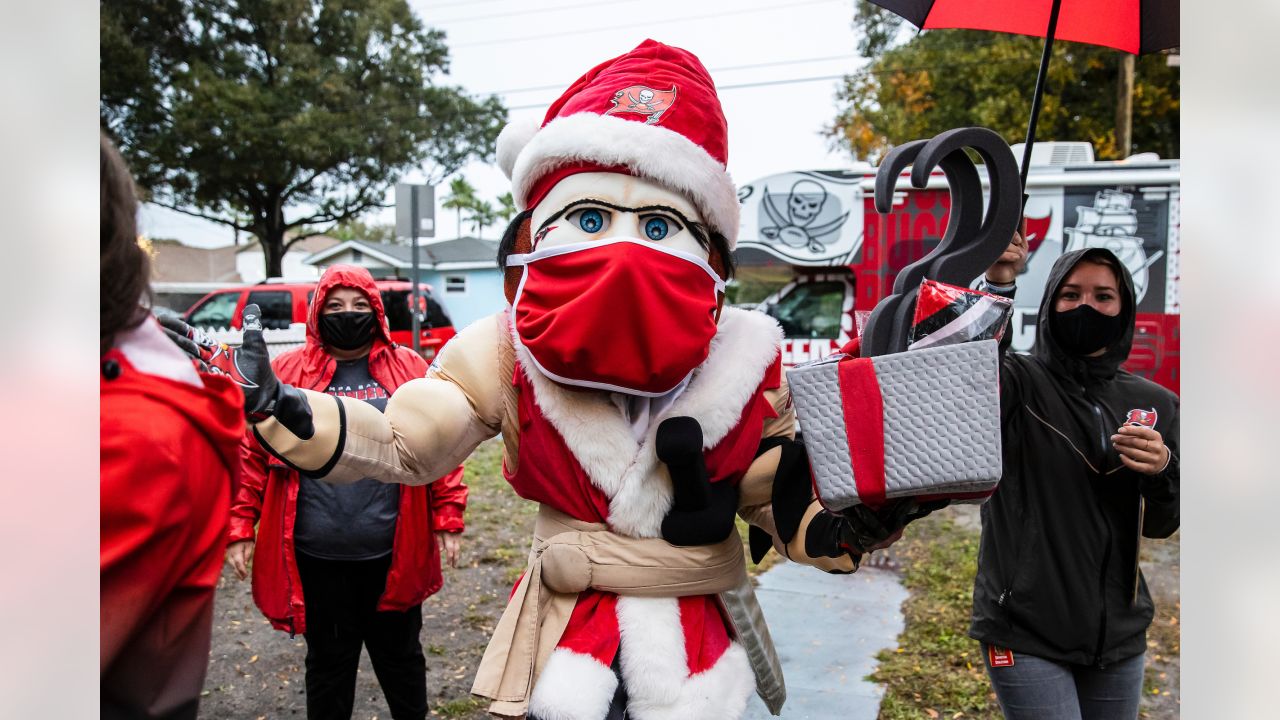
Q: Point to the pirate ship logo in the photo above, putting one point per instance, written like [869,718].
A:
[1111,223]
[643,100]
[796,227]
[1141,418]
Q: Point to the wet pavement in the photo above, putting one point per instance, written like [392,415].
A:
[828,629]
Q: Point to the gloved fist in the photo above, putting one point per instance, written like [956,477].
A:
[264,395]
[880,528]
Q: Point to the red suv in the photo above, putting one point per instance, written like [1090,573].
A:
[285,303]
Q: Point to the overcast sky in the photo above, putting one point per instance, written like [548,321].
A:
[506,46]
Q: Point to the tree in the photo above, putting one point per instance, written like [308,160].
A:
[353,229]
[462,196]
[942,79]
[506,207]
[277,115]
[481,215]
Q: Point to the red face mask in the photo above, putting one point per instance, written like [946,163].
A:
[622,315]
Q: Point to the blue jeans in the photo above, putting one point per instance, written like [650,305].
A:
[1037,689]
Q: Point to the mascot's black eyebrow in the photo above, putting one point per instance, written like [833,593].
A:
[591,201]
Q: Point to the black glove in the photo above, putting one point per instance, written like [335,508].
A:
[195,343]
[831,535]
[264,395]
[874,528]
[702,512]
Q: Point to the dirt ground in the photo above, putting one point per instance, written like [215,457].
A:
[256,672]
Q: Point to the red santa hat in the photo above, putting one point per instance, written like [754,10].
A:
[652,113]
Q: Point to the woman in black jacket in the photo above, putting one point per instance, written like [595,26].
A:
[1090,467]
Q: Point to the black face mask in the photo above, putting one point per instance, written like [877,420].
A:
[1083,330]
[347,330]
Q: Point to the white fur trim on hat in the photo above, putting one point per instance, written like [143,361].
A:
[650,151]
[512,140]
[572,686]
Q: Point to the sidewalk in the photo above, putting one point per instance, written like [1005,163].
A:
[828,629]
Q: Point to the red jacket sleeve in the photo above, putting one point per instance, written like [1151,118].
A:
[246,505]
[448,502]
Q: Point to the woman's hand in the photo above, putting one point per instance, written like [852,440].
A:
[451,543]
[1141,449]
[239,553]
[1014,258]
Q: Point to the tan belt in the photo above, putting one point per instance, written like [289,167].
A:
[568,557]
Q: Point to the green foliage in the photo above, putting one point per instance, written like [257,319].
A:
[942,79]
[241,111]
[481,215]
[506,206]
[937,670]
[353,229]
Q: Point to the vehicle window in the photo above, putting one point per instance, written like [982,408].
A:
[277,308]
[811,310]
[396,303]
[215,313]
[436,314]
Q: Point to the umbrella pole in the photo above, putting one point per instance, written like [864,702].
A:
[1041,77]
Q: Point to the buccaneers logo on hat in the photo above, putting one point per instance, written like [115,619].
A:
[1141,418]
[643,100]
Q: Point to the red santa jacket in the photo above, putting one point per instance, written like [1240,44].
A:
[268,493]
[168,462]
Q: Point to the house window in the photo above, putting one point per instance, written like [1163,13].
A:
[455,284]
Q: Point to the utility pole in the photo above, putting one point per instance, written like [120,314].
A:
[1124,106]
[415,216]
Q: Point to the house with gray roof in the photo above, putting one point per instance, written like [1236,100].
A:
[462,272]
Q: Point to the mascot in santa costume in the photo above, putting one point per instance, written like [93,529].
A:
[635,408]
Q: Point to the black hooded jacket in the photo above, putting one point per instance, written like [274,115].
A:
[1058,572]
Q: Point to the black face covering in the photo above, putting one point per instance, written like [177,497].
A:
[1083,330]
[347,330]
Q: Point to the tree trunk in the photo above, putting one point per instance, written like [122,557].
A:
[272,241]
[1124,106]
[272,238]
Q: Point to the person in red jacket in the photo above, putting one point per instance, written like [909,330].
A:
[347,565]
[169,446]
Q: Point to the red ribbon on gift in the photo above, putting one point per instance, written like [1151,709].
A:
[864,427]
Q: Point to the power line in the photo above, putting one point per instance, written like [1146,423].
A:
[760,83]
[490,16]
[462,2]
[628,26]
[723,69]
[817,78]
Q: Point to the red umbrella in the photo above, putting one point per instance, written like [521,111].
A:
[1134,26]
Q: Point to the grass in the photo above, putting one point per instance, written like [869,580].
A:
[460,708]
[937,670]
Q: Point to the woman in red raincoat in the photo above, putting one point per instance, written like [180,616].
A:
[347,566]
[169,441]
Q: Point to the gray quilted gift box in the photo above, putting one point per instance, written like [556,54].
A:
[941,418]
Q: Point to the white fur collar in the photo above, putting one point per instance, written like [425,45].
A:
[629,473]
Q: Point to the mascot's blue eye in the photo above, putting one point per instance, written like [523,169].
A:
[591,221]
[655,228]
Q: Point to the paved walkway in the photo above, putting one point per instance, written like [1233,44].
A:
[828,629]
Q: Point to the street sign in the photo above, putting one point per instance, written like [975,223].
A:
[415,219]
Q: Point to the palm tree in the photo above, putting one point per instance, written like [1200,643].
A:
[481,214]
[506,206]
[462,196]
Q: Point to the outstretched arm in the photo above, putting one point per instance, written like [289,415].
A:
[430,425]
